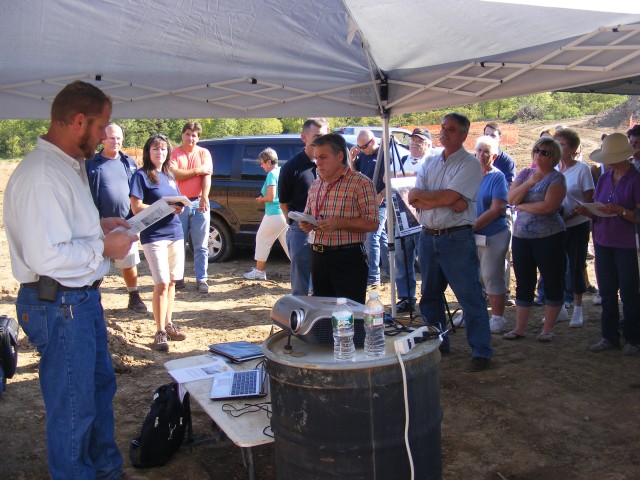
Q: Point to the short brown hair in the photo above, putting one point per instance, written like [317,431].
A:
[571,136]
[78,97]
[193,126]
[269,155]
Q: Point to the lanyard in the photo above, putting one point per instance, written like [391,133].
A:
[322,206]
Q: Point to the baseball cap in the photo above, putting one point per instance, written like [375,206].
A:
[423,133]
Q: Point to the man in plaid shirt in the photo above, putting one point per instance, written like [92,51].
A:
[343,202]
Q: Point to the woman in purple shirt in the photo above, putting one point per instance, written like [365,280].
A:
[615,244]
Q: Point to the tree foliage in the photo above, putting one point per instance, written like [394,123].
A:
[17,137]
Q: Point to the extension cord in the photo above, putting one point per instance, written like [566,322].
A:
[406,343]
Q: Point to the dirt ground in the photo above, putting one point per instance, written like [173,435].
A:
[543,411]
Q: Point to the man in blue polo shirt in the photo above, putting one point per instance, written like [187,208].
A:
[296,176]
[109,173]
[365,157]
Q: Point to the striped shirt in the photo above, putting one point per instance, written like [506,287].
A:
[351,195]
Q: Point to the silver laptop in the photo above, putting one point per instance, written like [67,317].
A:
[233,384]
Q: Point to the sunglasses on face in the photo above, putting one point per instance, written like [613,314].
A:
[362,147]
[542,153]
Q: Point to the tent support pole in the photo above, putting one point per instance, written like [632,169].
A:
[390,215]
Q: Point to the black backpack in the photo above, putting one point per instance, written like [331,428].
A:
[8,347]
[163,428]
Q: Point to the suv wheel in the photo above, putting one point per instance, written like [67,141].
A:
[220,241]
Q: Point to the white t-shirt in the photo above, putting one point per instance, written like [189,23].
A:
[579,180]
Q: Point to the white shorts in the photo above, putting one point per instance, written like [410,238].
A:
[165,259]
[131,259]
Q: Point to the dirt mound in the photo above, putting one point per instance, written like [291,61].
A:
[620,118]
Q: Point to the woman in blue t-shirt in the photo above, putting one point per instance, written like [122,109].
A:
[162,242]
[274,225]
[492,230]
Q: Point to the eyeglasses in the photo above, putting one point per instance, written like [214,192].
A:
[362,147]
[542,153]
[417,141]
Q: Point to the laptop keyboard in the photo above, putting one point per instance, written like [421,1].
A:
[244,383]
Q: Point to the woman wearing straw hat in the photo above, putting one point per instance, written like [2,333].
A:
[614,232]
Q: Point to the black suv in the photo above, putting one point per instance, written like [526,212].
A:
[235,184]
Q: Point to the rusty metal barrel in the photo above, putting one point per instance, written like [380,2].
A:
[347,420]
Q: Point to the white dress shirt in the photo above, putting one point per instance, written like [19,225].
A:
[52,224]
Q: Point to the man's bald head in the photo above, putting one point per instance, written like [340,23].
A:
[113,141]
[367,142]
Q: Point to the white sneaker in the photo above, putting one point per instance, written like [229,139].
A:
[597,300]
[255,274]
[563,316]
[577,319]
[497,324]
[458,320]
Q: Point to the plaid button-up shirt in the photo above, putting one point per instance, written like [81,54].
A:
[351,195]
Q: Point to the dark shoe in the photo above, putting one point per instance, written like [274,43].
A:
[180,285]
[592,289]
[603,345]
[135,303]
[160,342]
[404,305]
[479,364]
[174,333]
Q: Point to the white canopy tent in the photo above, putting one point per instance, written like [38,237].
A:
[297,58]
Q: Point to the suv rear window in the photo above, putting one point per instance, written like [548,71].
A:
[222,155]
[251,169]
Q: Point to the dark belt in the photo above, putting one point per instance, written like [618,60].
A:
[193,199]
[325,249]
[95,285]
[436,232]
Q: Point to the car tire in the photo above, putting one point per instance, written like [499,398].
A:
[220,240]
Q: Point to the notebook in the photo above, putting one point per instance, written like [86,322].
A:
[237,351]
[239,384]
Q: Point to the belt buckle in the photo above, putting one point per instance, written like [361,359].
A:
[319,248]
[437,232]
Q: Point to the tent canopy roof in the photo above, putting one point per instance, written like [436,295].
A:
[284,58]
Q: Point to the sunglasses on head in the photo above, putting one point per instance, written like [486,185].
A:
[542,153]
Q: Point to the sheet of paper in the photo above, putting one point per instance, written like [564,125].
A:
[150,215]
[199,372]
[303,217]
[594,208]
[178,200]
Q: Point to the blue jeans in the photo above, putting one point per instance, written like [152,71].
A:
[406,271]
[452,259]
[77,382]
[377,249]
[197,224]
[300,254]
[617,269]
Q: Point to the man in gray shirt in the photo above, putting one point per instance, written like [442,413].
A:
[445,193]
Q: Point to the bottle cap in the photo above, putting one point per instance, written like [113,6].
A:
[341,301]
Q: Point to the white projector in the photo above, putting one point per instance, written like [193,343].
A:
[309,318]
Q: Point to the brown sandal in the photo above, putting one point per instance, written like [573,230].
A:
[545,337]
[513,336]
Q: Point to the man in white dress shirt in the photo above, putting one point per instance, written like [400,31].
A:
[60,250]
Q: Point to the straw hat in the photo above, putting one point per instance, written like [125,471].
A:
[615,149]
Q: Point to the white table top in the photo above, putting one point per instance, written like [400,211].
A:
[246,430]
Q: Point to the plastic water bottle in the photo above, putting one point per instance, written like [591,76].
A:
[374,327]
[342,321]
